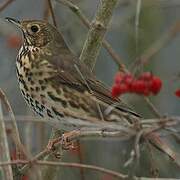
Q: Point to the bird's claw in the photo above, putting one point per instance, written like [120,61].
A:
[51,144]
[67,143]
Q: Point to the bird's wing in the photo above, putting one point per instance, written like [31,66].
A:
[77,76]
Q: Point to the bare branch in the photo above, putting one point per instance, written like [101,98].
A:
[72,165]
[52,12]
[46,12]
[15,133]
[77,165]
[152,107]
[4,149]
[157,45]
[96,33]
[5,4]
[137,17]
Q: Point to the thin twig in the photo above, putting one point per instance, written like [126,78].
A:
[52,12]
[40,155]
[152,107]
[64,164]
[135,155]
[136,144]
[80,156]
[77,165]
[137,18]
[15,133]
[5,4]
[6,172]
[159,44]
[46,11]
[153,163]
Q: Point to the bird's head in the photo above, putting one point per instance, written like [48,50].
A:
[36,32]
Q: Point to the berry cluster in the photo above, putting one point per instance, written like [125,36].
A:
[145,84]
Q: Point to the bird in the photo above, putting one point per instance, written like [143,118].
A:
[56,85]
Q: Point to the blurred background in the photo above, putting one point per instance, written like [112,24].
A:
[155,21]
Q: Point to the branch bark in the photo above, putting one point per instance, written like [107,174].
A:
[96,33]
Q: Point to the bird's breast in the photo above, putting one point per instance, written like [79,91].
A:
[34,74]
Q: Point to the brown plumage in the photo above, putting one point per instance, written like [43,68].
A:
[56,85]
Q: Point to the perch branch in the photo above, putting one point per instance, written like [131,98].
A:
[97,132]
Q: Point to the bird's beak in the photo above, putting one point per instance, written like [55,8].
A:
[14,21]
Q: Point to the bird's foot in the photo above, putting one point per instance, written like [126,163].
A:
[67,141]
[51,144]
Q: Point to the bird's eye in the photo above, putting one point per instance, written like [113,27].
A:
[34,28]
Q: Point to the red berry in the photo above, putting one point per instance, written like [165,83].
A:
[117,90]
[145,84]
[123,88]
[146,92]
[128,78]
[177,92]
[138,86]
[118,77]
[146,76]
[155,85]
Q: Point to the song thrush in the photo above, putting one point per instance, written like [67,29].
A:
[56,85]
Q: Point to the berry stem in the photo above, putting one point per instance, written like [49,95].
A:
[152,107]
